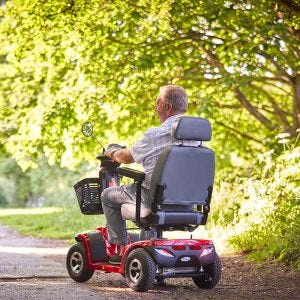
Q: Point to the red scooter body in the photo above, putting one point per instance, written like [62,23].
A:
[182,254]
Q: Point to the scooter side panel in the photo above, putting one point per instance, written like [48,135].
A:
[97,246]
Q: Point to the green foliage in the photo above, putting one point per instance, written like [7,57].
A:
[63,62]
[264,211]
[42,186]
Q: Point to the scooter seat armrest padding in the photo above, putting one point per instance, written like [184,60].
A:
[131,173]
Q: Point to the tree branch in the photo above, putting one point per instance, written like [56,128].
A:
[278,111]
[281,70]
[266,79]
[253,111]
[277,87]
[296,88]
[244,135]
[293,7]
[220,105]
[215,61]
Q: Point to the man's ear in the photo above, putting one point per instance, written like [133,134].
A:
[169,107]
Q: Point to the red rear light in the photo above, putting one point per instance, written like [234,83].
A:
[195,247]
[178,247]
[206,242]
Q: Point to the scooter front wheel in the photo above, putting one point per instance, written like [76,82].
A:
[139,270]
[76,264]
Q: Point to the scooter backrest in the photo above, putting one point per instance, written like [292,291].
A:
[185,173]
[191,128]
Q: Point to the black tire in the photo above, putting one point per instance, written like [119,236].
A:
[160,281]
[139,270]
[76,264]
[211,275]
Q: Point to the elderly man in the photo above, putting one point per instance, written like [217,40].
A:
[171,102]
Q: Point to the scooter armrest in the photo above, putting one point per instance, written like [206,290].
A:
[131,173]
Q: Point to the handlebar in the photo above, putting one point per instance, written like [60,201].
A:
[107,162]
[102,157]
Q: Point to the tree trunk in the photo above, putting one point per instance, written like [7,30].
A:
[296,87]
[251,109]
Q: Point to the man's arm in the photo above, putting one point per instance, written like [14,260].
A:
[122,156]
[139,150]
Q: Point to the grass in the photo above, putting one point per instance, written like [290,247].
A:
[58,223]
[64,223]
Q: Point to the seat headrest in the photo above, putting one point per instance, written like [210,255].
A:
[191,128]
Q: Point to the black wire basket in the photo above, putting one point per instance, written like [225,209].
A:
[88,193]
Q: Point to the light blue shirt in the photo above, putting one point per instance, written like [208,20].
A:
[147,149]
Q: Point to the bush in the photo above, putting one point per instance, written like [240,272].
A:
[271,212]
[263,210]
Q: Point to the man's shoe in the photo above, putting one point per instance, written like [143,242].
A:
[115,259]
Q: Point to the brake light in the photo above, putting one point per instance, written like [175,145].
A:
[178,247]
[195,247]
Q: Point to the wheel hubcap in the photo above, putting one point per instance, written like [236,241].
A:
[76,262]
[135,270]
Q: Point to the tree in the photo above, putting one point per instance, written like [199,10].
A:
[63,62]
[45,185]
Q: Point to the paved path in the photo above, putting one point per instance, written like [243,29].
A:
[28,270]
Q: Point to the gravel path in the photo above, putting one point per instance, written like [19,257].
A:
[32,268]
[28,270]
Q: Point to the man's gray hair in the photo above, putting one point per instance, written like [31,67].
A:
[176,96]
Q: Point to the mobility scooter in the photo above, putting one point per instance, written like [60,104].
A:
[181,189]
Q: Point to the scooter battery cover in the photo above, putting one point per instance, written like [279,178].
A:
[98,246]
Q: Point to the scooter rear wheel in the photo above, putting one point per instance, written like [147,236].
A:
[139,270]
[210,276]
[76,264]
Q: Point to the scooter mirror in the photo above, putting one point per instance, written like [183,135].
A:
[87,129]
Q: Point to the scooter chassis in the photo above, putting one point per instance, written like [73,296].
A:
[188,254]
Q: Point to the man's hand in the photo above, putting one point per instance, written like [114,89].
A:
[111,149]
[119,154]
